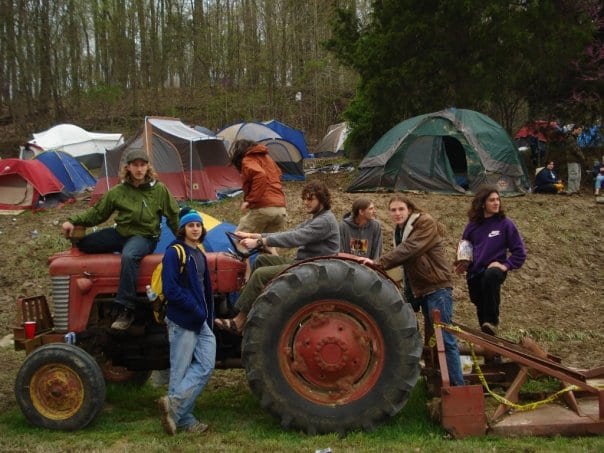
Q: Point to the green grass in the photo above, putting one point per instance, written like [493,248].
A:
[130,422]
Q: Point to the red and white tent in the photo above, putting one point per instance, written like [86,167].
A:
[193,165]
[23,182]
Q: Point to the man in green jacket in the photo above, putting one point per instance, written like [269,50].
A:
[140,201]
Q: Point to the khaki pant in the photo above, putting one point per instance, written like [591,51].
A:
[574,177]
[263,220]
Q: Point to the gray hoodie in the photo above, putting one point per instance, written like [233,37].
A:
[318,236]
[359,240]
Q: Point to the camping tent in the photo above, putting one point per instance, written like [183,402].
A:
[88,147]
[296,136]
[284,152]
[70,172]
[216,239]
[448,151]
[332,143]
[23,182]
[191,164]
[287,157]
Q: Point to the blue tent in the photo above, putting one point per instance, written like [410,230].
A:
[295,136]
[75,177]
[284,152]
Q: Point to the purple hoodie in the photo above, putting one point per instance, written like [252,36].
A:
[491,241]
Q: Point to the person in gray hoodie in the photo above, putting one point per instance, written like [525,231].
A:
[360,233]
[318,236]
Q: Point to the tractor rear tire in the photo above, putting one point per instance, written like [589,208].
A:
[331,346]
[60,386]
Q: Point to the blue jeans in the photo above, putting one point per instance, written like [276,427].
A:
[442,299]
[133,250]
[192,359]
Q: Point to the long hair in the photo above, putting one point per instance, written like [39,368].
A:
[402,198]
[413,208]
[181,233]
[238,149]
[476,211]
[125,174]
[358,205]
[319,190]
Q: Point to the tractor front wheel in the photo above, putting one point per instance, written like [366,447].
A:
[60,386]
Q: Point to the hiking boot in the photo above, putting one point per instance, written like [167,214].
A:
[197,428]
[489,328]
[166,419]
[123,320]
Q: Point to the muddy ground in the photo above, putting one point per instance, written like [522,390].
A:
[557,297]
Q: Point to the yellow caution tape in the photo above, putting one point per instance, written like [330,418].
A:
[497,397]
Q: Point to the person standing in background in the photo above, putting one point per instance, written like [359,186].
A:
[575,159]
[497,249]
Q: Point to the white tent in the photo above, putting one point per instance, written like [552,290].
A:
[87,147]
[333,142]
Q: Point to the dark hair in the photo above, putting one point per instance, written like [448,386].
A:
[180,233]
[238,151]
[319,190]
[358,205]
[476,211]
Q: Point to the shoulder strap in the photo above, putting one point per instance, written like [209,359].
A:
[182,256]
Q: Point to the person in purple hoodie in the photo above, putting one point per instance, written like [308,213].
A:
[497,249]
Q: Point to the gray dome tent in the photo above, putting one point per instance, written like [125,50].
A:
[450,151]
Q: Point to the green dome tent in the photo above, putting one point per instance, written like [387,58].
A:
[451,151]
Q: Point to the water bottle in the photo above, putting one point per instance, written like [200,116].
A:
[151,295]
[34,234]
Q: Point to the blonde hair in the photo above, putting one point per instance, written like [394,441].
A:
[126,176]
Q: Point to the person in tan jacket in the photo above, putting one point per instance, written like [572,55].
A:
[420,250]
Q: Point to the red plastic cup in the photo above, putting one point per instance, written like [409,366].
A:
[30,329]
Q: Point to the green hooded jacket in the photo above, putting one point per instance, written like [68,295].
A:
[139,209]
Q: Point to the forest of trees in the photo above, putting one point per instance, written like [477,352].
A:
[105,64]
[108,63]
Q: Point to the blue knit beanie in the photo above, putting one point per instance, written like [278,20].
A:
[189,216]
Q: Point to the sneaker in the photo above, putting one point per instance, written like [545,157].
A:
[489,328]
[197,428]
[166,419]
[124,319]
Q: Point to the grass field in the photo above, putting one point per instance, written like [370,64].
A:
[130,422]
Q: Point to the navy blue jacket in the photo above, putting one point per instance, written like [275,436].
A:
[189,304]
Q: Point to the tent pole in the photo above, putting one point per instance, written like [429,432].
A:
[191,169]
[106,172]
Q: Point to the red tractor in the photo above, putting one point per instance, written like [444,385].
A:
[329,346]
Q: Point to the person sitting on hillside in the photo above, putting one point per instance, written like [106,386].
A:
[547,181]
[360,233]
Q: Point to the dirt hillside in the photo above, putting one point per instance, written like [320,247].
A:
[557,297]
